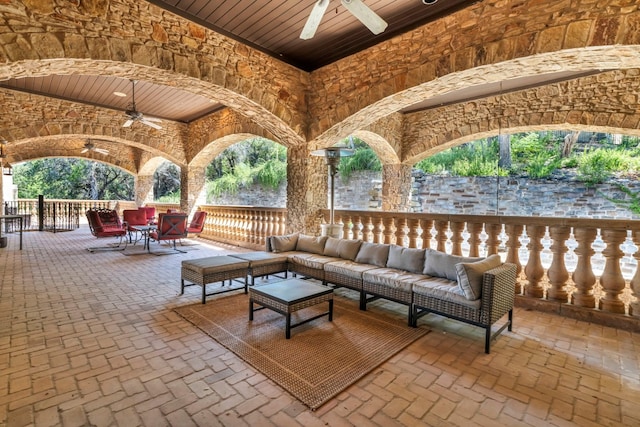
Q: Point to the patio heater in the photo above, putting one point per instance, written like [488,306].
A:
[332,157]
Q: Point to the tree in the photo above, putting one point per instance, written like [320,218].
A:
[504,158]
[569,141]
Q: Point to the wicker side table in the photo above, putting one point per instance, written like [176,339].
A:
[289,296]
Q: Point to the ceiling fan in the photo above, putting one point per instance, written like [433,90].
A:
[89,146]
[133,115]
[357,8]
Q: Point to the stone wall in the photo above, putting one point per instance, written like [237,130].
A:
[563,196]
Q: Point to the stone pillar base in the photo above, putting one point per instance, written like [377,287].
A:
[331,230]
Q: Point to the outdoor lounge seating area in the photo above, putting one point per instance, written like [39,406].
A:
[146,363]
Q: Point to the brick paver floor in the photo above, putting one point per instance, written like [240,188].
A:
[90,339]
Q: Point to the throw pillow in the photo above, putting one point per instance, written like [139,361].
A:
[440,264]
[406,259]
[331,247]
[314,245]
[284,243]
[373,253]
[470,275]
[348,249]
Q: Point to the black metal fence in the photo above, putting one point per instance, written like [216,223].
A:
[44,215]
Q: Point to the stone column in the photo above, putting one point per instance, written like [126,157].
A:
[193,191]
[143,189]
[306,191]
[396,187]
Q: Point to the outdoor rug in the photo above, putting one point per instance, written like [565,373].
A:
[321,359]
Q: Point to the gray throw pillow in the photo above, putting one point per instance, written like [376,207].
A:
[373,253]
[470,275]
[331,247]
[314,245]
[284,243]
[440,264]
[348,249]
[406,259]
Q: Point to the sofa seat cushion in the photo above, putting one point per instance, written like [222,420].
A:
[258,259]
[391,277]
[348,268]
[444,289]
[214,264]
[312,261]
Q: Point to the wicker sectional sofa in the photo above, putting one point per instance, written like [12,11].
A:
[478,291]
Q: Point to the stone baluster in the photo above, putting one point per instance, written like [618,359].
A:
[456,237]
[377,229]
[426,225]
[441,235]
[346,226]
[388,230]
[557,272]
[413,225]
[583,276]
[255,217]
[474,229]
[367,230]
[357,226]
[634,307]
[493,237]
[514,231]
[401,231]
[611,280]
[534,270]
[245,225]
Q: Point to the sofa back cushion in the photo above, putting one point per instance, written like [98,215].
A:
[406,259]
[373,253]
[342,248]
[311,244]
[470,275]
[284,243]
[440,264]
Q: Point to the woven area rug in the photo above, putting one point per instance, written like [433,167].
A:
[321,359]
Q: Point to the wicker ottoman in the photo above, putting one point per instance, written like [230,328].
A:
[202,271]
[263,264]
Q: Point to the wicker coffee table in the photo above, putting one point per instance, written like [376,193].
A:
[289,296]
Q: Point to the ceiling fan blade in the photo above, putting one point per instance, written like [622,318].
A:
[148,123]
[152,119]
[313,21]
[365,15]
[127,123]
[84,150]
[101,150]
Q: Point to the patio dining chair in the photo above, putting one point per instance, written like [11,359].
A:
[133,218]
[197,222]
[150,212]
[106,223]
[171,227]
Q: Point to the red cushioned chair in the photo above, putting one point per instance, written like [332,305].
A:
[171,227]
[106,223]
[150,212]
[197,222]
[132,218]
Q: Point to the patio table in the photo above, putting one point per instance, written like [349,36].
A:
[13,218]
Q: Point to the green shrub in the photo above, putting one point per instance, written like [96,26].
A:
[362,159]
[271,173]
[477,166]
[170,198]
[541,166]
[596,166]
